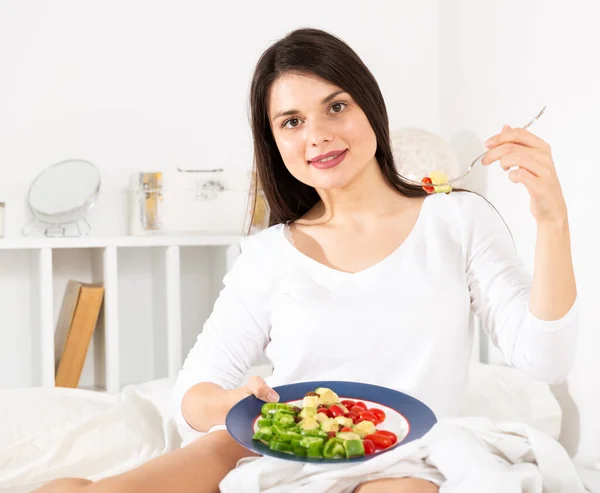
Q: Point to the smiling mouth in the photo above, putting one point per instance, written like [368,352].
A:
[329,161]
[329,158]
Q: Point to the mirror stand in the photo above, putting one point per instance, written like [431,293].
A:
[73,229]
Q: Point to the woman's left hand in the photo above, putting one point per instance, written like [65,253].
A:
[519,147]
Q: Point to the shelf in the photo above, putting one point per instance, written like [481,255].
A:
[119,241]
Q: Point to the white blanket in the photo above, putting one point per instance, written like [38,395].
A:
[48,433]
[466,455]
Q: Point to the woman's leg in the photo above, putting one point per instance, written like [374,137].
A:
[397,485]
[197,468]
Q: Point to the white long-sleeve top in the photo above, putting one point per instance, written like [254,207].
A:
[402,323]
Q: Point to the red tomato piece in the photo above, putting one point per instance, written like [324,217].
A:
[353,416]
[369,416]
[379,414]
[391,435]
[357,409]
[369,447]
[348,404]
[381,442]
[360,404]
[336,410]
[345,428]
[426,185]
[323,410]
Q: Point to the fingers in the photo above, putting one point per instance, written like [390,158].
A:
[257,386]
[518,136]
[531,182]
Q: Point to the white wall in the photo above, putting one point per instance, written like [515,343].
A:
[148,85]
[159,84]
[500,62]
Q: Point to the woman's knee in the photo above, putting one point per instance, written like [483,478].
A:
[397,485]
[65,485]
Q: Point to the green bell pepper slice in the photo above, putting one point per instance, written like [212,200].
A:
[354,448]
[284,419]
[281,432]
[298,450]
[263,423]
[263,434]
[293,435]
[279,446]
[334,449]
[269,408]
[314,433]
[313,446]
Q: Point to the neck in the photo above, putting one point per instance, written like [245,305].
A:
[367,197]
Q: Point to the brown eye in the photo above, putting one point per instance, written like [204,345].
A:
[338,107]
[291,123]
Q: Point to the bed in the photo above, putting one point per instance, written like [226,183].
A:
[50,433]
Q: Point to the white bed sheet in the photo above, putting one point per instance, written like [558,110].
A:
[50,433]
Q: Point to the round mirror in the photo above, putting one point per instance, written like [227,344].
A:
[62,194]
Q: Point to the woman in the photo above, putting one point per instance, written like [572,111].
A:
[361,277]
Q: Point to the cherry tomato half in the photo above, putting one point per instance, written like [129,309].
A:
[357,409]
[348,404]
[336,410]
[353,416]
[426,185]
[392,436]
[369,447]
[326,412]
[369,416]
[360,404]
[379,414]
[381,441]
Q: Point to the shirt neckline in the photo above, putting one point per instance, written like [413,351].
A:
[410,238]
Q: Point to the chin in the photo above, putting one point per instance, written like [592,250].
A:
[331,183]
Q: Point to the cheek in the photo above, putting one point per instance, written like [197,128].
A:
[360,135]
[293,155]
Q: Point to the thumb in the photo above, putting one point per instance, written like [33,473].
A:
[257,386]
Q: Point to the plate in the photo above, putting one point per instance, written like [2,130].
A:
[406,416]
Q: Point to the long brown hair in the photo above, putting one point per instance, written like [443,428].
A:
[315,52]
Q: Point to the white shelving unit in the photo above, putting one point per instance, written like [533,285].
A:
[125,266]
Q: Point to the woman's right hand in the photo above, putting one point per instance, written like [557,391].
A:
[206,404]
[258,387]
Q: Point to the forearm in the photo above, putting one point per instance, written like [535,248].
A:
[206,405]
[553,291]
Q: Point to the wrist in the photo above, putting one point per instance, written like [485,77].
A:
[236,395]
[554,225]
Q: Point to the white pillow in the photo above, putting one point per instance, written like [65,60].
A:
[502,393]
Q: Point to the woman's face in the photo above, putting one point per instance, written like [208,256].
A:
[324,138]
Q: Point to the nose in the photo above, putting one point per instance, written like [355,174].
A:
[319,133]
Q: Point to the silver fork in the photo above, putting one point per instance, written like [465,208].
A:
[453,180]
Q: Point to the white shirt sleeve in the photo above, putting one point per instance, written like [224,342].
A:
[236,332]
[500,285]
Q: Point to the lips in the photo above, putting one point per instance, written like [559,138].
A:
[330,154]
[329,160]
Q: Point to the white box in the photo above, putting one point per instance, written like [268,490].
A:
[189,202]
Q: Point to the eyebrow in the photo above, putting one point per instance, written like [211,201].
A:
[291,112]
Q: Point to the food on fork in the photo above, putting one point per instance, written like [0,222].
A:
[436,182]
